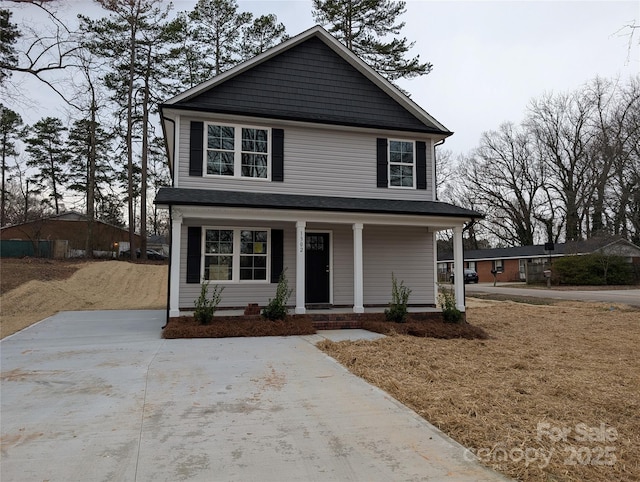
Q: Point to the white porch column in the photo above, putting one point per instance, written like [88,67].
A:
[174,275]
[358,277]
[458,268]
[300,267]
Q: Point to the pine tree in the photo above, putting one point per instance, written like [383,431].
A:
[264,33]
[10,123]
[132,39]
[9,34]
[363,26]
[80,149]
[49,157]
[217,26]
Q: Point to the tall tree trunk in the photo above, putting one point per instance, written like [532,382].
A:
[4,168]
[54,184]
[91,177]
[145,154]
[129,136]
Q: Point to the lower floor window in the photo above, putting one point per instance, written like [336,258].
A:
[236,254]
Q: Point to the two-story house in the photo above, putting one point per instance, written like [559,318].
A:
[304,159]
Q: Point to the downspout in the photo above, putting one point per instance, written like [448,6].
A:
[169,277]
[435,167]
[171,169]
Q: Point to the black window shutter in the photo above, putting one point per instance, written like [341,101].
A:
[421,165]
[381,157]
[195,148]
[277,254]
[194,246]
[277,155]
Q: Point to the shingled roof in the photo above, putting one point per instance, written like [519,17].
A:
[209,197]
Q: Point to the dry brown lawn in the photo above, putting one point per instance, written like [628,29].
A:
[554,395]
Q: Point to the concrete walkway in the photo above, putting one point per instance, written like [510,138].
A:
[99,396]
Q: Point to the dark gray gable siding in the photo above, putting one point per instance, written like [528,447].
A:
[308,82]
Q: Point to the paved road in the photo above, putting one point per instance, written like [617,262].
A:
[629,297]
[99,396]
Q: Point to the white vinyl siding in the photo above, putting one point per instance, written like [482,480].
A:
[405,251]
[320,162]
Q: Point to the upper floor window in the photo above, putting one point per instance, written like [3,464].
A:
[402,165]
[237,151]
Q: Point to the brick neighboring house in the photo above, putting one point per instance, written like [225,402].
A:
[71,227]
[527,263]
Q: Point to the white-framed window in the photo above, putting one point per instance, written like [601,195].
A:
[238,151]
[236,254]
[497,265]
[402,164]
[471,265]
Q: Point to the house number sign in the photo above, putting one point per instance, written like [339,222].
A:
[301,243]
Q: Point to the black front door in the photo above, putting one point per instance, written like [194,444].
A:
[317,268]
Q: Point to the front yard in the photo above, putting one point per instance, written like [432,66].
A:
[554,395]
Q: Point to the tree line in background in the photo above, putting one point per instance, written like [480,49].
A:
[569,171]
[119,68]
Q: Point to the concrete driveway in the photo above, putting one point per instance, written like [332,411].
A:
[99,396]
[628,297]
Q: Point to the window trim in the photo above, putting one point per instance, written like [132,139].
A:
[389,163]
[237,151]
[235,256]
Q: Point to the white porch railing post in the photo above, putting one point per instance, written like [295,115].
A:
[174,287]
[458,268]
[358,277]
[300,267]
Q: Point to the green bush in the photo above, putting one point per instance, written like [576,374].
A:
[447,302]
[397,310]
[592,269]
[277,307]
[205,309]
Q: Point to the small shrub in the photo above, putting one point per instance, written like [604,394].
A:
[277,307]
[205,309]
[447,301]
[397,310]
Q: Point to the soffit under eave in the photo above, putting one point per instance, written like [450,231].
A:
[433,222]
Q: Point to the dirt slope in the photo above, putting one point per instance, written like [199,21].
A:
[111,285]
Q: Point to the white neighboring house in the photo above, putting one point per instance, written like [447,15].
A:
[304,159]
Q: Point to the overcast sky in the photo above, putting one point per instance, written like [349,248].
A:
[490,57]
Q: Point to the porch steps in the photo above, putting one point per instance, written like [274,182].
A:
[344,321]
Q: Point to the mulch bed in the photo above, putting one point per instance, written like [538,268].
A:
[428,329]
[232,326]
[241,326]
